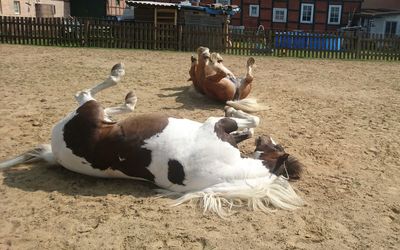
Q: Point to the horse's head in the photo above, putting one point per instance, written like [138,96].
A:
[276,159]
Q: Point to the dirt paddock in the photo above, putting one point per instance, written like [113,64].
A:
[340,118]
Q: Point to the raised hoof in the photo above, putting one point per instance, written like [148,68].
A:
[216,57]
[204,52]
[229,111]
[118,70]
[130,98]
[251,61]
[193,59]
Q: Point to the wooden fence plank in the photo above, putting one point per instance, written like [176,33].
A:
[91,32]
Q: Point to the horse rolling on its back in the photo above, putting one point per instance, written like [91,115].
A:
[211,78]
[187,158]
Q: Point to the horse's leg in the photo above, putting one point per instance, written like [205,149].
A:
[234,129]
[240,136]
[245,83]
[117,71]
[243,120]
[192,72]
[128,106]
[217,66]
[249,122]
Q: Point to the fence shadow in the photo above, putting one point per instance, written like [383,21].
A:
[189,99]
[56,178]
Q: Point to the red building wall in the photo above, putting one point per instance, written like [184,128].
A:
[320,17]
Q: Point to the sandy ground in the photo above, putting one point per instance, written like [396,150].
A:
[340,118]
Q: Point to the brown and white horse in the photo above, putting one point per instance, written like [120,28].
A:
[212,79]
[187,158]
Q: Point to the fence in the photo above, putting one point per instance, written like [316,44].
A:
[85,32]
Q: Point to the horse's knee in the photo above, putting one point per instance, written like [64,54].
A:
[83,96]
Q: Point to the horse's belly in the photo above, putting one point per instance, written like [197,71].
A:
[223,90]
[65,157]
[189,156]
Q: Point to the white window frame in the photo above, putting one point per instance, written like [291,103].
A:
[275,20]
[312,13]
[17,11]
[251,6]
[330,13]
[223,2]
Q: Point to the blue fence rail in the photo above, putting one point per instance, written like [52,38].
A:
[313,41]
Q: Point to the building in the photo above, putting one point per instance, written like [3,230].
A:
[35,8]
[307,15]
[380,17]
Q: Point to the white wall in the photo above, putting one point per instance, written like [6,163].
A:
[380,22]
[28,7]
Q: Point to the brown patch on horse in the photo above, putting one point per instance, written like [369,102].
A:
[117,146]
[176,173]
[277,160]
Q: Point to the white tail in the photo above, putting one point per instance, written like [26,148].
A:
[41,153]
[257,194]
[248,105]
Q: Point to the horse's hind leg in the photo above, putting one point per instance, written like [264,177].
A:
[128,106]
[245,84]
[117,71]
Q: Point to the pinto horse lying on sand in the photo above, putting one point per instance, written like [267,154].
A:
[211,78]
[194,160]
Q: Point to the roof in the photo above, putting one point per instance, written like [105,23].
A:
[378,12]
[150,4]
[216,9]
[381,4]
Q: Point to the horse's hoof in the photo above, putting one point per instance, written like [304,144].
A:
[251,61]
[229,111]
[193,59]
[118,70]
[216,57]
[130,98]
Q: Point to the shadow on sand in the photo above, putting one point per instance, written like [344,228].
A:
[56,178]
[189,99]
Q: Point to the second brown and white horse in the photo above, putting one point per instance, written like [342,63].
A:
[191,159]
[211,78]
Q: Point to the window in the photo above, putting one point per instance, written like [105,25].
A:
[254,10]
[223,2]
[390,28]
[17,8]
[307,13]
[279,15]
[117,2]
[335,14]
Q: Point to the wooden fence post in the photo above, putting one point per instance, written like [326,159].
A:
[180,36]
[358,45]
